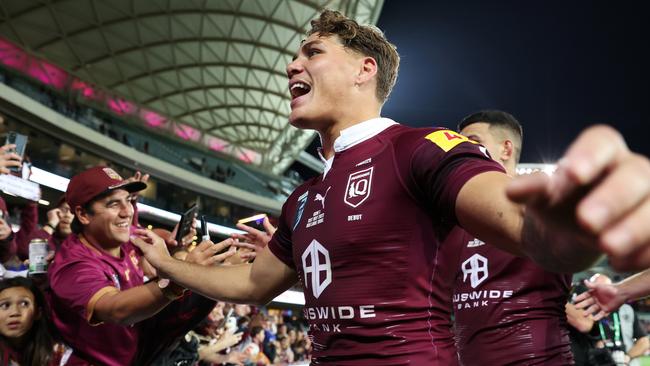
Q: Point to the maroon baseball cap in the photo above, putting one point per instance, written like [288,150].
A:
[90,183]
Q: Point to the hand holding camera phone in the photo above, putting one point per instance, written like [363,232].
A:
[11,154]
[185,225]
[256,222]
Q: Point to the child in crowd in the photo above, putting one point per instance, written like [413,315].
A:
[25,335]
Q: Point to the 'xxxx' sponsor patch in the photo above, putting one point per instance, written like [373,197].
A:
[447,139]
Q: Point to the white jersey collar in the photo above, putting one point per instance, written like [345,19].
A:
[354,135]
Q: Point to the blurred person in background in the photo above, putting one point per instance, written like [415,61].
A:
[253,347]
[7,240]
[617,331]
[580,325]
[284,354]
[55,230]
[8,159]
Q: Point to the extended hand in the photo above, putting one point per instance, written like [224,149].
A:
[600,300]
[599,196]
[152,246]
[206,252]
[254,239]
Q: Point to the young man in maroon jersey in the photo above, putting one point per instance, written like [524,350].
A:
[363,238]
[507,309]
[100,303]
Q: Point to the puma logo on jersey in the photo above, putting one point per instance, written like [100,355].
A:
[365,162]
[321,198]
[475,243]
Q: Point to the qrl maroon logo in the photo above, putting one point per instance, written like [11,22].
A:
[358,188]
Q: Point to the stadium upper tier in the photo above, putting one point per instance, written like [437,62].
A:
[206,73]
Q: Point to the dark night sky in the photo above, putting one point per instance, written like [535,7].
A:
[558,66]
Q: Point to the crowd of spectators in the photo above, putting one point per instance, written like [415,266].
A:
[100,303]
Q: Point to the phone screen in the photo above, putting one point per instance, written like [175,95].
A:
[185,225]
[256,222]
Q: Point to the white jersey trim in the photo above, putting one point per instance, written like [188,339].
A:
[355,135]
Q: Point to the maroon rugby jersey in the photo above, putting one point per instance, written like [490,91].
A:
[508,310]
[364,241]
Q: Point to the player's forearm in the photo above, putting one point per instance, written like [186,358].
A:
[635,286]
[224,283]
[555,250]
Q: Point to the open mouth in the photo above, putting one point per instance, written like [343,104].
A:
[299,89]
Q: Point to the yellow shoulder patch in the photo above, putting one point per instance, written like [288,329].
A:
[447,139]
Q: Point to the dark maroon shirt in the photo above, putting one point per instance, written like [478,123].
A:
[364,241]
[508,310]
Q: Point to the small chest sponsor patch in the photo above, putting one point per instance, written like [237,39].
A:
[447,139]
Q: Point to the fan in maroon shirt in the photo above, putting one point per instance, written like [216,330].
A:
[364,237]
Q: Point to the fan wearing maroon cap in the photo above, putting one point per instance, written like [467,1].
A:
[364,237]
[99,300]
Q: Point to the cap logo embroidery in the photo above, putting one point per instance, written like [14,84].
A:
[112,173]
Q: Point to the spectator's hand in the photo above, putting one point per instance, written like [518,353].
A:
[8,158]
[186,240]
[254,236]
[227,339]
[254,239]
[138,177]
[600,300]
[600,194]
[5,229]
[152,246]
[206,252]
[54,216]
[49,257]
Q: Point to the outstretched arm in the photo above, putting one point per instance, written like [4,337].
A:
[257,282]
[602,298]
[597,200]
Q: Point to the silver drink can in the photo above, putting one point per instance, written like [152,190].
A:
[37,253]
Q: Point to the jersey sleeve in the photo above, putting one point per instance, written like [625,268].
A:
[78,285]
[441,163]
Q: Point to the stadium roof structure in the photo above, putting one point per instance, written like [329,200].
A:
[211,72]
